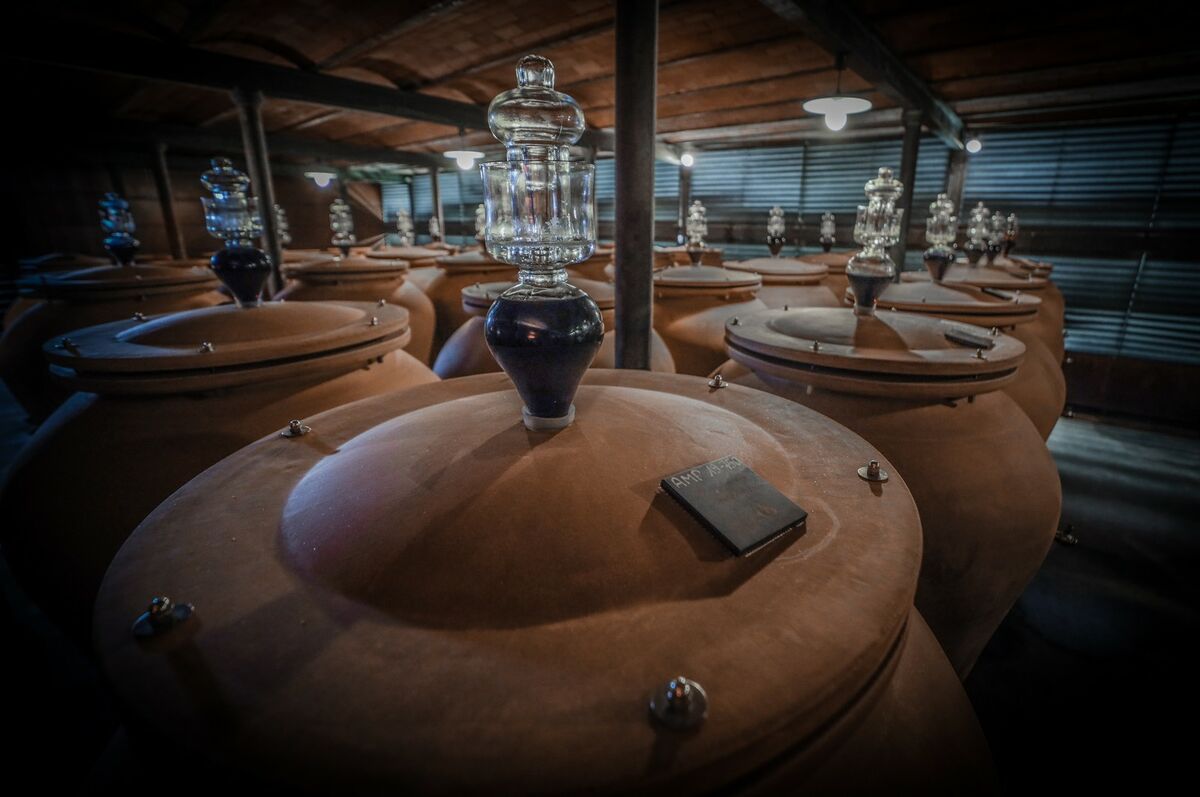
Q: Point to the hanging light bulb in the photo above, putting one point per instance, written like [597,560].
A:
[687,159]
[322,179]
[837,107]
[464,158]
[835,120]
[974,145]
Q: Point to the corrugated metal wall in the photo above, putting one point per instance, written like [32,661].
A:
[1115,207]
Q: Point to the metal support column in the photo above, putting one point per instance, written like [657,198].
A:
[166,200]
[636,92]
[254,140]
[685,198]
[956,177]
[908,176]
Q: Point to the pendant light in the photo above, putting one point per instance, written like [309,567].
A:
[837,106]
[463,158]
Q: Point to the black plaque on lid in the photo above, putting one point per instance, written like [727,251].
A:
[741,508]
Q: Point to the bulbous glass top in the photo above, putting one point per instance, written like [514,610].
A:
[884,186]
[776,226]
[114,214]
[697,224]
[341,221]
[404,227]
[224,181]
[282,226]
[828,225]
[533,121]
[941,227]
[229,214]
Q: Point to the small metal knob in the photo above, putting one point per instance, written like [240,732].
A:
[139,316]
[207,348]
[374,321]
[381,303]
[816,345]
[979,355]
[680,705]
[994,331]
[295,429]
[69,345]
[733,322]
[872,472]
[161,616]
[717,382]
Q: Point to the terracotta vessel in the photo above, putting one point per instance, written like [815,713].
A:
[71,300]
[1039,387]
[363,279]
[836,263]
[423,271]
[981,475]
[691,306]
[61,261]
[163,398]
[455,273]
[711,256]
[593,267]
[47,264]
[1049,324]
[466,352]
[423,595]
[790,283]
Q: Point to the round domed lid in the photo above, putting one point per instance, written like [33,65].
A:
[189,262]
[705,278]
[102,282]
[1021,265]
[62,261]
[834,261]
[477,260]
[479,297]
[962,302]
[890,354]
[454,601]
[982,277]
[346,269]
[226,345]
[306,256]
[406,253]
[782,270]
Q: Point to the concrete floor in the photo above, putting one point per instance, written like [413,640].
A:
[1087,687]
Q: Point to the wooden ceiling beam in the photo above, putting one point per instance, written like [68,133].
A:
[812,127]
[139,57]
[834,25]
[1094,96]
[208,141]
[362,47]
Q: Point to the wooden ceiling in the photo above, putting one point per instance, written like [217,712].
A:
[731,72]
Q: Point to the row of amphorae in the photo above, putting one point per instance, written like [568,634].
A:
[368,573]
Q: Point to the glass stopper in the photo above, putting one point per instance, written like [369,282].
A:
[539,215]
[876,228]
[828,231]
[229,214]
[341,221]
[405,228]
[234,218]
[117,222]
[281,226]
